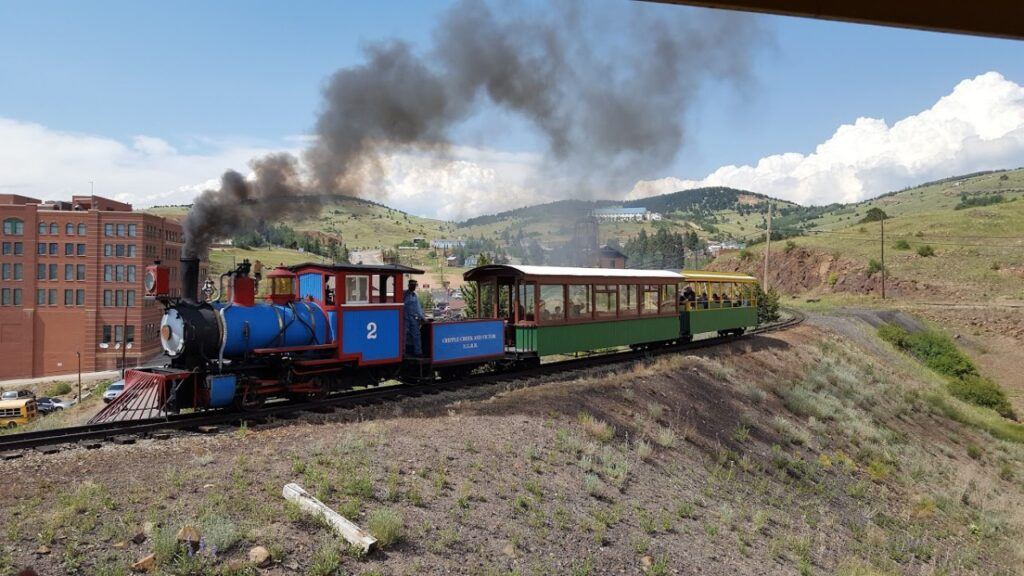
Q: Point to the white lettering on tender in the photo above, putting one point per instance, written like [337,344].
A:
[471,339]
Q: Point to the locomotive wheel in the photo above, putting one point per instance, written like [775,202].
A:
[249,401]
[323,390]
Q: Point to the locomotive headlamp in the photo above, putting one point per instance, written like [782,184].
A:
[157,281]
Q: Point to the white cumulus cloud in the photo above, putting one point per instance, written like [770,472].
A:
[48,164]
[978,126]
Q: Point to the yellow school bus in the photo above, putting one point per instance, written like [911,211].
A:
[17,412]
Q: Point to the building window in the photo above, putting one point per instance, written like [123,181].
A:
[51,296]
[119,298]
[54,230]
[108,230]
[69,271]
[53,271]
[106,334]
[118,334]
[7,248]
[6,272]
[69,229]
[17,296]
[120,230]
[108,298]
[119,250]
[41,272]
[69,249]
[108,273]
[18,271]
[130,298]
[69,297]
[19,248]
[80,272]
[131,250]
[119,273]
[43,228]
[81,229]
[131,230]
[40,297]
[79,297]
[131,273]
[53,248]
[14,227]
[81,249]
[41,249]
[129,334]
[108,250]
[5,297]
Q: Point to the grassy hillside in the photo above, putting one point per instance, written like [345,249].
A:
[358,223]
[966,252]
[821,450]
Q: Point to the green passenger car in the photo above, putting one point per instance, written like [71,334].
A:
[560,310]
[721,302]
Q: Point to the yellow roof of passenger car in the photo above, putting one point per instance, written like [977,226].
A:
[709,276]
[569,272]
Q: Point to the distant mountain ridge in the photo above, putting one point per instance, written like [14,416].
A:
[701,201]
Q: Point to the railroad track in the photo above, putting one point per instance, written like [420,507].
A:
[92,435]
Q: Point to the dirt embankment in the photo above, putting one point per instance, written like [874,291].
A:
[807,271]
[809,452]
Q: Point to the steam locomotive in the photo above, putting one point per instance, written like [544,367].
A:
[324,328]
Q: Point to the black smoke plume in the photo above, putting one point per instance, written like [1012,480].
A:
[608,93]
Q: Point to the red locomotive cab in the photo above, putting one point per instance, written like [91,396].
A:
[157,281]
[282,285]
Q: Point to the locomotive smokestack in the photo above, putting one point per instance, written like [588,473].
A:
[190,279]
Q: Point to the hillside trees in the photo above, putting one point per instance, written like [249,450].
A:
[661,250]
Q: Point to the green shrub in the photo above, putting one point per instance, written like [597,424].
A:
[745,255]
[386,526]
[833,278]
[925,250]
[902,245]
[58,389]
[789,246]
[983,392]
[895,335]
[767,305]
[874,267]
[941,354]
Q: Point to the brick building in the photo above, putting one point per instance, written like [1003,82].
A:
[72,273]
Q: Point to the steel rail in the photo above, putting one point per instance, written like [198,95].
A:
[354,398]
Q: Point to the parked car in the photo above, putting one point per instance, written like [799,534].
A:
[113,391]
[47,404]
[17,395]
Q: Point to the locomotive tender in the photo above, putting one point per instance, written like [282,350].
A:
[324,328]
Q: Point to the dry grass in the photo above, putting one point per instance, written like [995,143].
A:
[596,429]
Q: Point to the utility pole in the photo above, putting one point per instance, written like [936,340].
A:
[79,355]
[882,221]
[767,246]
[124,338]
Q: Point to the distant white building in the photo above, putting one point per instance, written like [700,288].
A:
[622,214]
[447,244]
[716,247]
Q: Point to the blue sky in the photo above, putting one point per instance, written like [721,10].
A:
[199,74]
